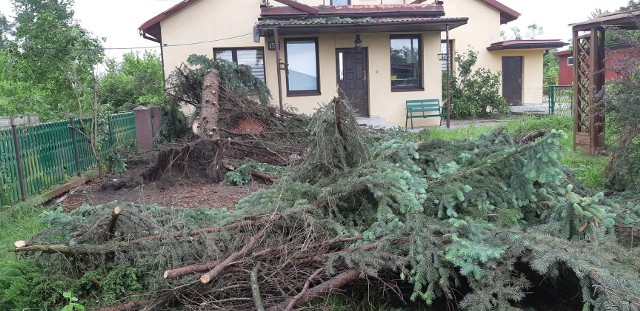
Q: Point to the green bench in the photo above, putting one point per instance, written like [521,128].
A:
[424,108]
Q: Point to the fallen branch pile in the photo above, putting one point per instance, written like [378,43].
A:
[483,224]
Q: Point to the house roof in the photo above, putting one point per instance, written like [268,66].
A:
[526,44]
[362,25]
[379,10]
[152,26]
[507,14]
[625,20]
[563,53]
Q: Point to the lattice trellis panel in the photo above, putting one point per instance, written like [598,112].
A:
[583,82]
[588,111]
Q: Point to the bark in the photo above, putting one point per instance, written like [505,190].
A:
[111,229]
[219,269]
[117,246]
[304,290]
[182,271]
[210,109]
[66,249]
[319,291]
[272,251]
[255,288]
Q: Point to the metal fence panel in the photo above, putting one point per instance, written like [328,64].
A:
[9,185]
[561,100]
[48,154]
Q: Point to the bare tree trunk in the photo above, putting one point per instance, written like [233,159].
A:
[210,110]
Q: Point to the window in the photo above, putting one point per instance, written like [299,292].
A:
[302,66]
[406,62]
[253,58]
[340,2]
[570,61]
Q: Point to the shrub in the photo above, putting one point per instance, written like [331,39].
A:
[474,93]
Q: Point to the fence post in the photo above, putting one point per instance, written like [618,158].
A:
[75,145]
[16,147]
[110,120]
[552,99]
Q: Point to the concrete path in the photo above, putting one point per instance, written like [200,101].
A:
[381,123]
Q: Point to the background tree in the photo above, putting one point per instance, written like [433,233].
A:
[551,67]
[533,31]
[136,80]
[51,54]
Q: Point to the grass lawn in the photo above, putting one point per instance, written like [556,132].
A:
[18,222]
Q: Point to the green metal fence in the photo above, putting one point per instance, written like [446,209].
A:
[561,100]
[35,158]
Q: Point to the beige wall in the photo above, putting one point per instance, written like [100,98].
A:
[206,21]
[482,29]
[532,73]
[209,20]
[382,101]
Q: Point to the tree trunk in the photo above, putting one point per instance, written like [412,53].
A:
[210,109]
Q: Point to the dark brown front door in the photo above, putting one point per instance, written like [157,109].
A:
[352,77]
[512,80]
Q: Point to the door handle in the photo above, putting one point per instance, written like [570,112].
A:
[364,75]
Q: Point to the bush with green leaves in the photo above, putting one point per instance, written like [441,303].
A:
[133,81]
[475,93]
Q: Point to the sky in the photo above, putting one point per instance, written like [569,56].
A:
[118,20]
[555,15]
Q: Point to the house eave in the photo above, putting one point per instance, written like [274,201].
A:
[436,24]
[526,45]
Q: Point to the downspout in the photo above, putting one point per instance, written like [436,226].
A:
[279,68]
[449,63]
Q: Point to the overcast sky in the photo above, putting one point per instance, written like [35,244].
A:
[118,20]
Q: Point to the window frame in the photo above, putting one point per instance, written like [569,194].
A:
[411,88]
[570,61]
[348,3]
[234,56]
[294,93]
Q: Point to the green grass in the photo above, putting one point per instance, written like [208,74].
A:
[18,222]
[587,169]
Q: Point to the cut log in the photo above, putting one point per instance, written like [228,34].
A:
[117,246]
[207,266]
[219,269]
[182,271]
[20,244]
[66,249]
[318,291]
[111,229]
[210,109]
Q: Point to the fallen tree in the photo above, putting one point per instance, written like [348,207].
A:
[482,224]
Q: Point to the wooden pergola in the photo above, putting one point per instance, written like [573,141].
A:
[588,79]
